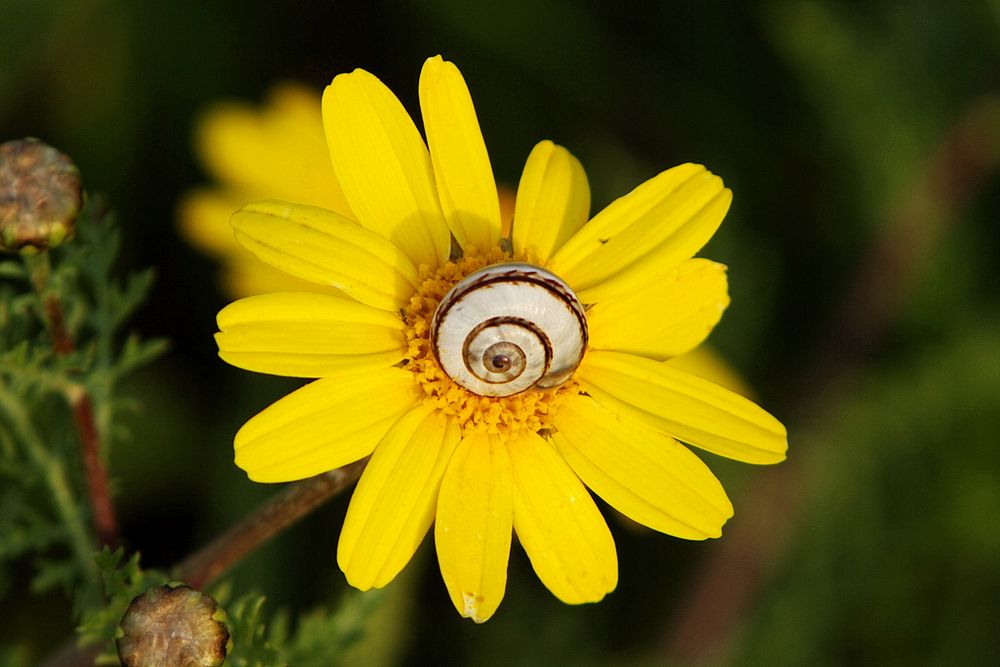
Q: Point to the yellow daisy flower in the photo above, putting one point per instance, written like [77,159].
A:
[492,380]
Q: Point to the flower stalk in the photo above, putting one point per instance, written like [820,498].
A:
[275,515]
[102,511]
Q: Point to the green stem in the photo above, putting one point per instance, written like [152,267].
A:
[55,477]
[39,269]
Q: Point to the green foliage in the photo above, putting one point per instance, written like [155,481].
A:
[123,579]
[61,319]
[80,277]
[321,637]
[248,631]
[99,307]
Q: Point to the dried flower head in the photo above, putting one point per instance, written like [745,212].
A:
[173,626]
[40,195]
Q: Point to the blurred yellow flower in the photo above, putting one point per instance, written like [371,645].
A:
[277,151]
[489,378]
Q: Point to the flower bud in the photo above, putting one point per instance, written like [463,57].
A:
[40,195]
[173,626]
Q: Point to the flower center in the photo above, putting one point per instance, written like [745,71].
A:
[492,364]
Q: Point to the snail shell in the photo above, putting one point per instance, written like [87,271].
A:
[507,328]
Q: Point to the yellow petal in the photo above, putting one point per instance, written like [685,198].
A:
[383,167]
[666,318]
[647,476]
[553,201]
[558,524]
[204,221]
[643,235]
[683,406]
[275,151]
[462,171]
[324,425]
[324,247]
[301,334]
[705,362]
[246,275]
[472,530]
[394,504]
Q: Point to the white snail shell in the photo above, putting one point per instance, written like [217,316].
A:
[507,328]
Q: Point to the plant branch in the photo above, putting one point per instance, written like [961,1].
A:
[737,570]
[275,515]
[102,511]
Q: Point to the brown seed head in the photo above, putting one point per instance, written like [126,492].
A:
[172,626]
[40,195]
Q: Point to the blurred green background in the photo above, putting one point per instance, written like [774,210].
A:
[860,140]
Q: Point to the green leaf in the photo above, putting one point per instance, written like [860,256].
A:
[252,647]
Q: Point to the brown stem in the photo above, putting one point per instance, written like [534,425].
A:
[284,509]
[102,510]
[61,342]
[738,568]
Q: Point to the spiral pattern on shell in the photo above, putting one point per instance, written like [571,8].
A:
[507,328]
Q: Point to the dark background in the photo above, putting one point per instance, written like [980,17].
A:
[861,141]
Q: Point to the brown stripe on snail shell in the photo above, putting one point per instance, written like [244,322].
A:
[515,321]
[502,315]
